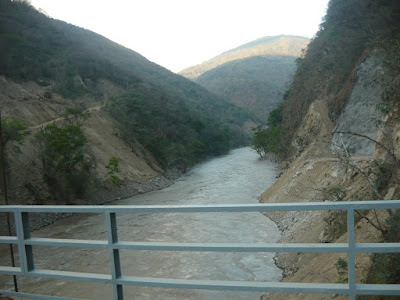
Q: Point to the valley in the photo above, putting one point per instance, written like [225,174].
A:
[88,121]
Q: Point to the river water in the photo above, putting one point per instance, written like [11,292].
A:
[239,177]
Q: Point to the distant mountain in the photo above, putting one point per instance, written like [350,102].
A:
[281,45]
[255,83]
[252,76]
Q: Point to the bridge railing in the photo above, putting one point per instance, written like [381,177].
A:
[25,242]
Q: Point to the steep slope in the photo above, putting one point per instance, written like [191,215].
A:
[72,62]
[281,45]
[153,122]
[340,137]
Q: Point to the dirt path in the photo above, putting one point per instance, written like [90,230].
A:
[89,110]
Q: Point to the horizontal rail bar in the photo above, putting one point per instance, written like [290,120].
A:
[378,289]
[215,247]
[8,240]
[304,206]
[377,248]
[252,286]
[233,247]
[98,244]
[287,287]
[65,275]
[362,289]
[34,296]
[10,270]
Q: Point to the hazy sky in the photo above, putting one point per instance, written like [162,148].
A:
[180,33]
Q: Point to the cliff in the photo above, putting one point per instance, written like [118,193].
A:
[341,142]
[318,173]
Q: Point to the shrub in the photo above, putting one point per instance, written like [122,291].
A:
[112,167]
[342,269]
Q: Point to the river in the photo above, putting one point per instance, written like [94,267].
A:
[239,177]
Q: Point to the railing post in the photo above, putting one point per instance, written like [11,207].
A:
[112,232]
[23,233]
[351,254]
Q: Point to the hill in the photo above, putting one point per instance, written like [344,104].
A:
[338,133]
[252,76]
[151,119]
[256,83]
[281,45]
[72,62]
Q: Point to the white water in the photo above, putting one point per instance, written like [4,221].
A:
[239,177]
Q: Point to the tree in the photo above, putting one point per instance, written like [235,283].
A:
[259,141]
[14,130]
[265,139]
[63,147]
[75,115]
[65,168]
[275,116]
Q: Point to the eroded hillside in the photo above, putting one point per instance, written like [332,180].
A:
[31,103]
[341,139]
[103,121]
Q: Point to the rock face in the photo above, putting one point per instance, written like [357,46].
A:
[318,174]
[361,115]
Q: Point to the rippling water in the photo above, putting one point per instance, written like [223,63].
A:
[239,177]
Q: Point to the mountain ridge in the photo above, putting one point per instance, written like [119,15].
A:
[287,45]
[254,75]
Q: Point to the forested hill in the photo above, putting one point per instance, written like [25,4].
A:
[170,115]
[252,76]
[281,45]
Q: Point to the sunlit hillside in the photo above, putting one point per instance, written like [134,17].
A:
[270,45]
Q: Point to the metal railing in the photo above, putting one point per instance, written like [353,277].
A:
[27,267]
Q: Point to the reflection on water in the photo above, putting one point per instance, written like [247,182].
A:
[239,177]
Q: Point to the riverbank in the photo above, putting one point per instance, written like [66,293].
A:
[310,179]
[102,196]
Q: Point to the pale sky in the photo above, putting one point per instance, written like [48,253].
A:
[177,34]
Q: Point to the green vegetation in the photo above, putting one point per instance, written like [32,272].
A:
[157,124]
[267,139]
[14,130]
[63,158]
[342,268]
[152,105]
[337,193]
[35,47]
[75,115]
[383,173]
[112,167]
